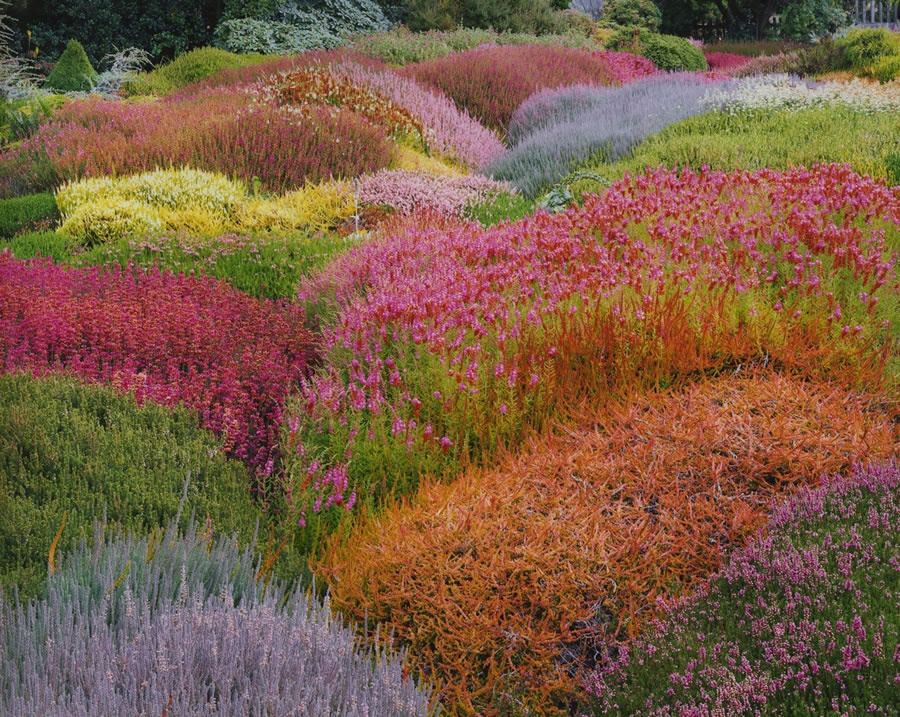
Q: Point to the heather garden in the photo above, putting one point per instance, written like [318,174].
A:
[462,358]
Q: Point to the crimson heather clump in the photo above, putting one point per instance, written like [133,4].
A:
[171,338]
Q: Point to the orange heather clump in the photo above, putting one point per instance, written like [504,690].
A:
[508,582]
[319,86]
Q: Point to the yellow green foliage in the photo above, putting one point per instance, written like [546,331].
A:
[199,203]
[317,207]
[111,218]
[408,158]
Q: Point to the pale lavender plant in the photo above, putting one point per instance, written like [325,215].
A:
[406,190]
[180,626]
[556,129]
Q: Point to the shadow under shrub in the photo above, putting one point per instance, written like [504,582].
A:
[72,453]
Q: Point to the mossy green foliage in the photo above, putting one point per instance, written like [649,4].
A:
[73,71]
[67,448]
[765,139]
[265,266]
[632,13]
[24,212]
[503,207]
[188,68]
[866,46]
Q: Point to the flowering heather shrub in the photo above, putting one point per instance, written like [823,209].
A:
[492,82]
[72,453]
[764,65]
[216,131]
[625,67]
[448,343]
[176,625]
[556,129]
[318,85]
[724,61]
[314,208]
[802,621]
[773,92]
[406,191]
[538,566]
[100,210]
[451,132]
[173,339]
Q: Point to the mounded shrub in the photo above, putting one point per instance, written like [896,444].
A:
[23,213]
[186,625]
[672,53]
[556,129]
[193,66]
[492,82]
[632,13]
[865,46]
[175,339]
[535,568]
[73,71]
[54,244]
[72,453]
[802,621]
[887,69]
[667,52]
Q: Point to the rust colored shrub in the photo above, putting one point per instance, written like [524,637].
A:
[508,582]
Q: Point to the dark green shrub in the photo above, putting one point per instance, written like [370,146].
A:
[56,245]
[667,52]
[73,71]
[825,56]
[534,16]
[25,212]
[866,46]
[809,20]
[67,448]
[632,13]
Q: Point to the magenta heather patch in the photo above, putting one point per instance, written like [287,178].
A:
[802,621]
[173,339]
[449,342]
[625,67]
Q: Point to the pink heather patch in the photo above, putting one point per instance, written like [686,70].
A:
[406,191]
[625,67]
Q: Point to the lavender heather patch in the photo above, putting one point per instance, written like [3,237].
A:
[179,625]
[806,620]
[556,129]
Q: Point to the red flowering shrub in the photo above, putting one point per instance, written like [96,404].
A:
[171,338]
[216,130]
[726,60]
[492,82]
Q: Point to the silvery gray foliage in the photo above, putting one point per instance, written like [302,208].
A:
[17,78]
[122,66]
[556,129]
[188,631]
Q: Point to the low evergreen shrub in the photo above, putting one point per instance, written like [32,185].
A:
[22,213]
[73,71]
[71,453]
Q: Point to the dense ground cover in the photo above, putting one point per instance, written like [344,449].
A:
[803,621]
[497,419]
[540,568]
